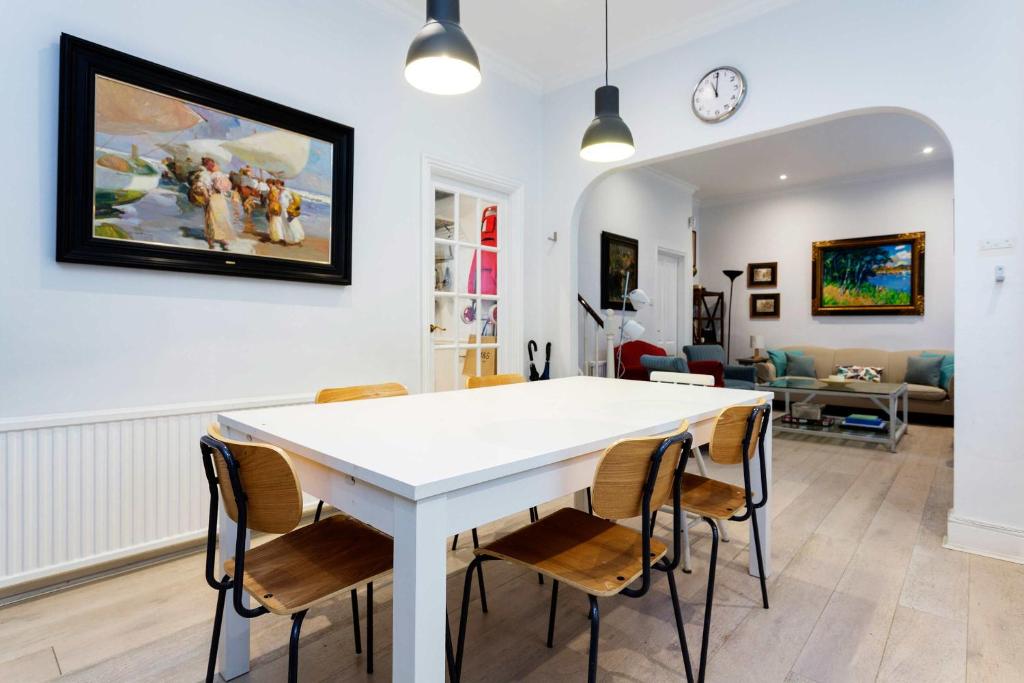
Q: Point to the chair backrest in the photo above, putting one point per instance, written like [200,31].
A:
[621,476]
[480,381]
[357,393]
[733,428]
[683,378]
[269,484]
[705,352]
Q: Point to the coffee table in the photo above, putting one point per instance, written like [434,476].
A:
[886,396]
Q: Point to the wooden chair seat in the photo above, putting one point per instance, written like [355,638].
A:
[711,498]
[292,572]
[595,555]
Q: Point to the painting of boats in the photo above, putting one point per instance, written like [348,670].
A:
[211,171]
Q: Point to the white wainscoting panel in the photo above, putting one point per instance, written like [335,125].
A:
[83,489]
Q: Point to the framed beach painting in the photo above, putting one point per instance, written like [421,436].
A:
[160,169]
[620,258]
[869,276]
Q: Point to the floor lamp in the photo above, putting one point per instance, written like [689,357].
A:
[732,275]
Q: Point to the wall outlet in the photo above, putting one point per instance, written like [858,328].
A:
[994,244]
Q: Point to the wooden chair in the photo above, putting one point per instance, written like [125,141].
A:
[480,381]
[302,567]
[340,395]
[694,380]
[737,438]
[591,552]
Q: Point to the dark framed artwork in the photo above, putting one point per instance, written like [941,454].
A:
[693,243]
[881,275]
[764,305]
[160,169]
[763,274]
[619,258]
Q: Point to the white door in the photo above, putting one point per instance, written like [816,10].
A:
[465,335]
[668,301]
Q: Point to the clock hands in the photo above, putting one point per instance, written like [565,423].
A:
[715,86]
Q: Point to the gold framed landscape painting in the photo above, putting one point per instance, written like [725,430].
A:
[881,275]
[159,169]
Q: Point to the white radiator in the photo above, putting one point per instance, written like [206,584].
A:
[86,488]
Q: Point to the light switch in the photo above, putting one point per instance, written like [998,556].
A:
[994,244]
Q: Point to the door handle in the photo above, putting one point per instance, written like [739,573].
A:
[434,328]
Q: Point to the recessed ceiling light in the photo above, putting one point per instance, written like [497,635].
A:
[927,150]
[783,177]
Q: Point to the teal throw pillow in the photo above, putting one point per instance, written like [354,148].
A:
[945,369]
[799,365]
[778,359]
[923,370]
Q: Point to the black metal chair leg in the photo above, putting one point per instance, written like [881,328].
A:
[355,621]
[760,560]
[483,590]
[464,617]
[293,647]
[449,654]
[455,542]
[590,503]
[712,563]
[476,539]
[535,517]
[679,625]
[319,510]
[595,626]
[551,617]
[218,619]
[369,628]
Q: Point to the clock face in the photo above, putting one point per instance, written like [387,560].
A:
[719,94]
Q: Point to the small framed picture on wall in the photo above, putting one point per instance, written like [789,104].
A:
[764,306]
[763,274]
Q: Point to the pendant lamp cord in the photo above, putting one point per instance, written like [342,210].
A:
[606,42]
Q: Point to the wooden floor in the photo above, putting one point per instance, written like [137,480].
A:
[862,590]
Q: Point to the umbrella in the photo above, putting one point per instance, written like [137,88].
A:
[279,152]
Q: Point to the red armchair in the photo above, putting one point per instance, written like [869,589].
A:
[631,352]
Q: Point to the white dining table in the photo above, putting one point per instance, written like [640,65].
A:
[423,467]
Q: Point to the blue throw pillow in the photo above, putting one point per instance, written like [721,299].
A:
[924,370]
[799,365]
[945,369]
[779,360]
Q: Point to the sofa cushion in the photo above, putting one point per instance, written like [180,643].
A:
[739,384]
[922,370]
[799,366]
[923,392]
[705,352]
[653,363]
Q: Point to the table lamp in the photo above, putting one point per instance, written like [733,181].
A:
[757,345]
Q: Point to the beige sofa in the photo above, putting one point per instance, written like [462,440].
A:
[923,399]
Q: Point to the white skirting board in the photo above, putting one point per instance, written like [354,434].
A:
[81,489]
[984,538]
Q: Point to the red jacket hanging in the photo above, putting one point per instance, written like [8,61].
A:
[489,259]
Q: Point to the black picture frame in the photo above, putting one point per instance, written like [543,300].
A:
[755,270]
[80,62]
[612,274]
[773,314]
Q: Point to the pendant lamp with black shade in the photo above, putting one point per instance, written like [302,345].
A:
[607,138]
[441,60]
[732,275]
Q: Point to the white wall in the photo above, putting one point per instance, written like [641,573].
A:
[647,207]
[781,227]
[817,59]
[79,338]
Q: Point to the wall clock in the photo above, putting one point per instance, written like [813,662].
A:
[718,94]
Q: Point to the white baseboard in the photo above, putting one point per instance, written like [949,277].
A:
[984,538]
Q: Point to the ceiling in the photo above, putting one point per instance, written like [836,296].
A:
[552,43]
[849,147]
